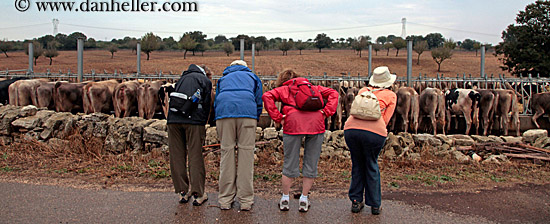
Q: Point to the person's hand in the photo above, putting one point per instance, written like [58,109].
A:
[324,115]
[283,120]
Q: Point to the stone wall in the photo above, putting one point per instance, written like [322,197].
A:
[140,135]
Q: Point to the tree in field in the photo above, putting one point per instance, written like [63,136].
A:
[388,46]
[285,46]
[381,39]
[37,50]
[149,43]
[526,46]
[398,43]
[360,44]
[198,37]
[228,48]
[419,48]
[440,54]
[300,46]
[488,47]
[188,44]
[322,41]
[477,46]
[376,48]
[220,39]
[132,44]
[258,47]
[434,40]
[449,44]
[468,44]
[51,51]
[5,47]
[390,38]
[113,49]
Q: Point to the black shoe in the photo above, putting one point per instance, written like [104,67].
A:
[184,198]
[375,210]
[356,206]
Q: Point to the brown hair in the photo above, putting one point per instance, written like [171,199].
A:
[207,71]
[284,76]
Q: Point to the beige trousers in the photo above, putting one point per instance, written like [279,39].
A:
[236,180]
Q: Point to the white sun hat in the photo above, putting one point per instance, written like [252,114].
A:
[381,77]
[239,62]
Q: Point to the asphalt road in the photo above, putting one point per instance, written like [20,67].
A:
[26,203]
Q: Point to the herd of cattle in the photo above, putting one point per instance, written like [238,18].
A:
[482,109]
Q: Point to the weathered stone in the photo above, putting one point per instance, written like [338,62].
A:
[9,114]
[530,136]
[542,142]
[496,139]
[462,140]
[459,156]
[159,125]
[443,153]
[338,140]
[29,110]
[33,121]
[390,153]
[95,117]
[326,136]
[426,140]
[512,139]
[211,136]
[406,140]
[270,133]
[476,157]
[444,139]
[444,147]
[414,156]
[155,136]
[258,133]
[496,159]
[58,125]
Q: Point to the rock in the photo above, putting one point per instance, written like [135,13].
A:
[496,139]
[338,141]
[444,139]
[443,153]
[392,147]
[459,156]
[426,140]
[155,136]
[530,136]
[29,110]
[95,117]
[462,140]
[58,125]
[405,140]
[481,139]
[476,157]
[444,147]
[389,153]
[326,137]
[512,139]
[33,121]
[211,136]
[496,159]
[8,114]
[258,133]
[270,133]
[414,156]
[542,142]
[160,125]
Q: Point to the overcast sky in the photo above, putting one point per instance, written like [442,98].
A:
[482,20]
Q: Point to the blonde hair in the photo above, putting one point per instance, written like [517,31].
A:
[284,76]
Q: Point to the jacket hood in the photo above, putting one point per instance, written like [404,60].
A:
[298,80]
[194,69]
[236,68]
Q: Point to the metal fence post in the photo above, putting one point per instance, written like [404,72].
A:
[253,58]
[31,56]
[482,71]
[242,49]
[409,62]
[80,47]
[138,52]
[370,61]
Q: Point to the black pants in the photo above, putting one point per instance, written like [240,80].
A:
[365,147]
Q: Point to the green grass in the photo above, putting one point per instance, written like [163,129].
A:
[394,185]
[152,163]
[497,179]
[8,169]
[161,174]
[123,168]
[64,170]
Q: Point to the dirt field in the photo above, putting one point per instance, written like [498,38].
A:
[333,62]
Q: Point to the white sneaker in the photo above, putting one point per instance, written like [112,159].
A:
[304,205]
[284,205]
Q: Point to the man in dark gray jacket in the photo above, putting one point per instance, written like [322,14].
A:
[187,116]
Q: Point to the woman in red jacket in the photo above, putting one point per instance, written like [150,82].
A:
[299,124]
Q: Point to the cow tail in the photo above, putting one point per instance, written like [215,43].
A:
[91,97]
[413,111]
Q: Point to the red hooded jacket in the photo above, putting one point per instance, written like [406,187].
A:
[298,122]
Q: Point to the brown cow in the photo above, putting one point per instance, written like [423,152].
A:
[42,95]
[98,96]
[432,103]
[148,99]
[68,96]
[407,108]
[164,96]
[125,98]
[507,103]
[540,104]
[20,91]
[487,106]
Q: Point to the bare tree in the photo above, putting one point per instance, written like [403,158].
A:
[419,48]
[440,54]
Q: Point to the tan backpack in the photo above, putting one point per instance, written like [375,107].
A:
[365,106]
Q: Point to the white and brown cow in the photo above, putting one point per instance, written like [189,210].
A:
[407,109]
[98,96]
[20,92]
[148,99]
[432,104]
[463,102]
[125,98]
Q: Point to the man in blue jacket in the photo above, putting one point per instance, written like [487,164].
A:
[238,107]
[189,110]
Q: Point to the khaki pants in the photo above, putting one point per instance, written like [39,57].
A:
[185,140]
[236,180]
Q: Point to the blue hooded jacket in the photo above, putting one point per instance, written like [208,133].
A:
[238,94]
